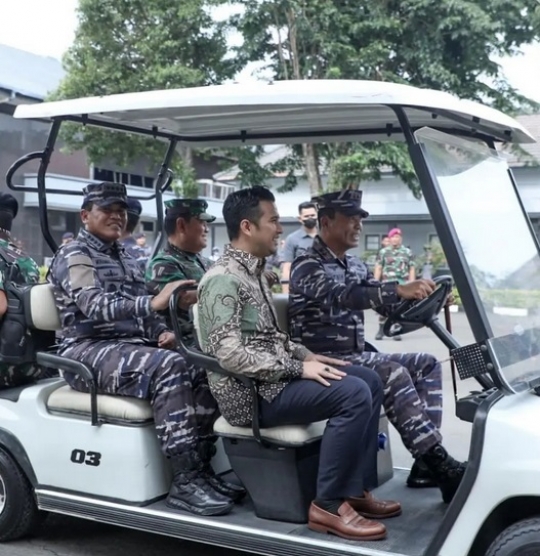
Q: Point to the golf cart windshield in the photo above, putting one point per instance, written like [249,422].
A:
[498,245]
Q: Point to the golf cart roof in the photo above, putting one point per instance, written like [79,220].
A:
[283,112]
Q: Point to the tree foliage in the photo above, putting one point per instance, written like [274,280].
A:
[138,45]
[450,45]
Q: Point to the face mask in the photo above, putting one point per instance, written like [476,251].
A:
[309,223]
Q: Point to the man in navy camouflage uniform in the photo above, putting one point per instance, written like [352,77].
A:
[329,291]
[186,227]
[110,323]
[128,240]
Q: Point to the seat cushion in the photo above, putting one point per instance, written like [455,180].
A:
[42,308]
[110,408]
[292,435]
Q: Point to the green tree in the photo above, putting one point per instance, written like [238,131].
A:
[448,45]
[138,45]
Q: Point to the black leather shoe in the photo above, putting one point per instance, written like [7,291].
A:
[420,476]
[191,492]
[446,471]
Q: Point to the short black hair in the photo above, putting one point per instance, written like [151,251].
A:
[306,205]
[132,221]
[169,224]
[244,205]
[330,212]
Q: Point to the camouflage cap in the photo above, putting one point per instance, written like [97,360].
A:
[105,193]
[347,202]
[192,207]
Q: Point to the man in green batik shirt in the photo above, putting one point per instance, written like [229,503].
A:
[186,227]
[24,271]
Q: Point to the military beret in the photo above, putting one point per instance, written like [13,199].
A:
[105,193]
[134,206]
[192,207]
[394,232]
[347,202]
[8,203]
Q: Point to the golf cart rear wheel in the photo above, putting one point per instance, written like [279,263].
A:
[19,515]
[520,539]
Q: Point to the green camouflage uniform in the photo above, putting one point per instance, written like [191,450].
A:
[172,264]
[396,263]
[28,273]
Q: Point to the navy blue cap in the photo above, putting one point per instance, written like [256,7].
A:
[105,193]
[347,202]
[8,203]
[134,206]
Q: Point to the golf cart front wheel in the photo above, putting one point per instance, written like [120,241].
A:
[520,539]
[19,515]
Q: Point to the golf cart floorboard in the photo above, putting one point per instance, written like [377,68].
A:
[408,534]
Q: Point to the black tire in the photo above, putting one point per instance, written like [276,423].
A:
[520,539]
[19,515]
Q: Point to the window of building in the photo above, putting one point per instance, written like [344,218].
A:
[136,180]
[373,242]
[214,191]
[148,226]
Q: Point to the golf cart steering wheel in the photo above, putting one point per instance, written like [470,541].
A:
[412,314]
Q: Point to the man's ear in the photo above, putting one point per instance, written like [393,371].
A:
[246,227]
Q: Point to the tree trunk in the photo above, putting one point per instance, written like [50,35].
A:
[310,151]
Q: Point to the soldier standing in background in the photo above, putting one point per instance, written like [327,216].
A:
[329,291]
[394,262]
[21,269]
[109,322]
[128,240]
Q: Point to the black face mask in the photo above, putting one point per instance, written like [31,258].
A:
[309,223]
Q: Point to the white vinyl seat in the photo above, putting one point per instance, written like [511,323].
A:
[113,409]
[43,315]
[291,435]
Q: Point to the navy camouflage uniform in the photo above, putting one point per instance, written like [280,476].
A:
[108,324]
[327,300]
[173,263]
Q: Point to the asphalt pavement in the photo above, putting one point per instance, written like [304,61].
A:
[65,536]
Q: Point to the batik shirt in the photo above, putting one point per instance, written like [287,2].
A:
[172,264]
[396,262]
[327,299]
[238,326]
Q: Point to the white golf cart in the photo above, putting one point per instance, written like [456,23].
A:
[97,457]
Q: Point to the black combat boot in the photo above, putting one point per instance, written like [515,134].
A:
[446,471]
[420,476]
[191,492]
[379,335]
[207,450]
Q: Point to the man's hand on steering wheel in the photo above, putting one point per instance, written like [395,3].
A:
[417,289]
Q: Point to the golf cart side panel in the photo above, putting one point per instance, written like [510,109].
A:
[512,428]
[112,461]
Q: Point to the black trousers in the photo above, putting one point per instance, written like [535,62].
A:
[352,405]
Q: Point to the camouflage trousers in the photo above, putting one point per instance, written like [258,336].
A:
[412,387]
[184,409]
[18,375]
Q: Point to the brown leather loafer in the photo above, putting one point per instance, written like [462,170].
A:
[372,508]
[349,524]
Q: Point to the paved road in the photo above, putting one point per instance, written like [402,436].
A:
[64,536]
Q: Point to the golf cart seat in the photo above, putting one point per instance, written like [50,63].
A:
[43,315]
